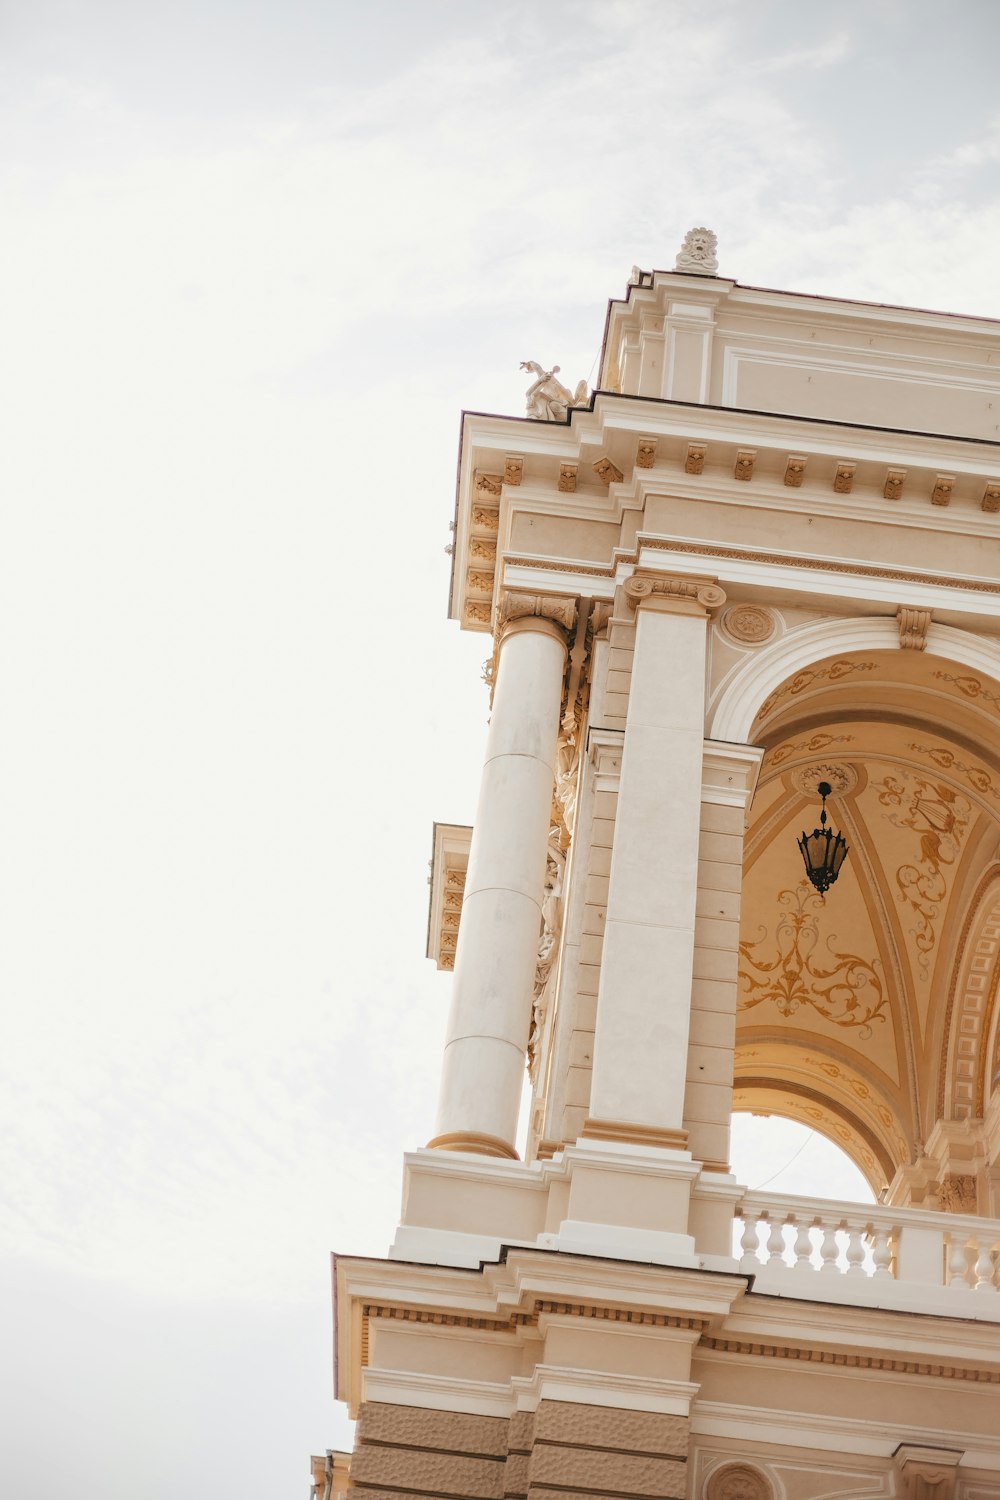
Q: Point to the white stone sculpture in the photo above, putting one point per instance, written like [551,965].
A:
[697,256]
[547,398]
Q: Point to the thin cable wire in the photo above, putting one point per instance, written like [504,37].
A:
[788,1163]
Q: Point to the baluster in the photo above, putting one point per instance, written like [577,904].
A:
[749,1238]
[775,1243]
[984,1268]
[802,1249]
[881,1254]
[855,1253]
[829,1250]
[958,1263]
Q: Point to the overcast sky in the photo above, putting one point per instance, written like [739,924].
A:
[256,257]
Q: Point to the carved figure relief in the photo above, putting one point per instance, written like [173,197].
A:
[939,817]
[697,254]
[797,967]
[547,399]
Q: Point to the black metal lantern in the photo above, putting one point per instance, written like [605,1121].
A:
[823,850]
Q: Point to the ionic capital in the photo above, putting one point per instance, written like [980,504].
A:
[673,593]
[548,613]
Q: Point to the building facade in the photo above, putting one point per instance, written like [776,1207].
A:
[763,555]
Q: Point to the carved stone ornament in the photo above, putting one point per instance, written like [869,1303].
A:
[991,496]
[893,487]
[927,1473]
[841,777]
[547,399]
[489,484]
[513,469]
[843,480]
[943,486]
[957,1194]
[544,606]
[913,624]
[667,586]
[477,612]
[795,470]
[607,471]
[745,460]
[738,1482]
[694,463]
[645,453]
[567,479]
[749,624]
[487,520]
[697,255]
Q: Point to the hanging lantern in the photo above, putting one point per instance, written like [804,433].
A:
[823,850]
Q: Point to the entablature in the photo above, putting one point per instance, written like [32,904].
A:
[840,499]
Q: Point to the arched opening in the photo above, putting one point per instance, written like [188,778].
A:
[773,1154]
[858,1011]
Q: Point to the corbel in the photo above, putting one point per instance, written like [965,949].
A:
[943,486]
[513,469]
[606,471]
[893,487]
[991,496]
[645,453]
[745,460]
[694,463]
[927,1473]
[567,479]
[843,480]
[913,625]
[795,470]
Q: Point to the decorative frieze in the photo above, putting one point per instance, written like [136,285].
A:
[893,486]
[795,470]
[843,480]
[745,460]
[645,453]
[943,486]
[913,625]
[607,471]
[567,479]
[694,463]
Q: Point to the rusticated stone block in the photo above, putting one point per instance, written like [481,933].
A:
[580,1426]
[444,1474]
[553,1466]
[422,1427]
[521,1432]
[515,1478]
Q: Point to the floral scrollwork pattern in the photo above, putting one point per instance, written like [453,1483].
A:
[847,991]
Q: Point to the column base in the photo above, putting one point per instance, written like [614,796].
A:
[633,1134]
[473,1142]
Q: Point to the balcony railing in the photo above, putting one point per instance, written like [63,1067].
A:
[904,1258]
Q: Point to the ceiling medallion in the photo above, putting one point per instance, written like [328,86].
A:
[842,778]
[749,624]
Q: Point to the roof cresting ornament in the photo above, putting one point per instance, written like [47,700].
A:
[697,256]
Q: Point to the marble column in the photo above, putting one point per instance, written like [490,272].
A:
[644,997]
[498,937]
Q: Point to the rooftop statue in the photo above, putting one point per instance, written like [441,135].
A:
[547,398]
[697,256]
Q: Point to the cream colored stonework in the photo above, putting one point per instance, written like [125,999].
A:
[763,555]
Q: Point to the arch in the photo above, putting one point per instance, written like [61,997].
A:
[971,997]
[766,669]
[823,1112]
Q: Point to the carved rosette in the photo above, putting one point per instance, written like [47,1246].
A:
[703,591]
[749,624]
[738,1482]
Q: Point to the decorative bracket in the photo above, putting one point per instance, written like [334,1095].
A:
[913,625]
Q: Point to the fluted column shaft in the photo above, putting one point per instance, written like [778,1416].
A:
[498,938]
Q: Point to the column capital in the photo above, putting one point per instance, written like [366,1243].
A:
[673,593]
[551,614]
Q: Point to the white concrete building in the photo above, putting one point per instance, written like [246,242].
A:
[762,555]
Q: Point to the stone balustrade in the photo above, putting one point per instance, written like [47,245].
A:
[869,1253]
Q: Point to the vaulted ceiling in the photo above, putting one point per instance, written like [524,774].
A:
[868,1013]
